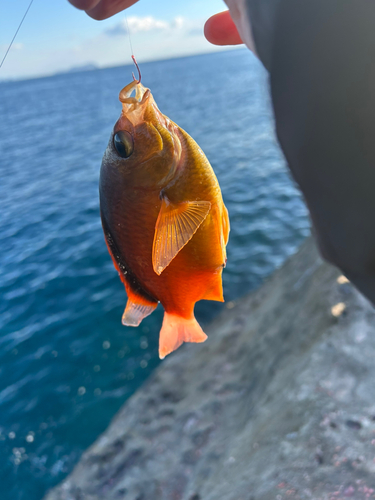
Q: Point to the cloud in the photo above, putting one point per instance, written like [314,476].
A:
[153,38]
[138,24]
[178,22]
[15,46]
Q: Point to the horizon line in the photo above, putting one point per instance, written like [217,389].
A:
[98,67]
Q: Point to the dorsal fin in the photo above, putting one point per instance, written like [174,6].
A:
[214,288]
[226,224]
[176,225]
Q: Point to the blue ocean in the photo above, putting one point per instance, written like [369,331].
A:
[66,362]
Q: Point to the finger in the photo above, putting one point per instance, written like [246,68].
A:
[107,8]
[84,4]
[221,30]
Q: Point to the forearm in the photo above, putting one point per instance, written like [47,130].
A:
[261,16]
[320,54]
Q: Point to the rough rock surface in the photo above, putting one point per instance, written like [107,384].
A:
[278,404]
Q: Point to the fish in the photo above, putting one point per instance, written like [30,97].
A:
[164,220]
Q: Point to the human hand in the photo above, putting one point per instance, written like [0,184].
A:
[102,9]
[226,28]
[231,27]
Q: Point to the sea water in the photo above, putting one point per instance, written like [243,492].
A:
[66,362]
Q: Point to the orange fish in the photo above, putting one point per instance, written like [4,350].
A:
[163,217]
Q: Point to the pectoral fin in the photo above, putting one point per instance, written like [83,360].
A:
[175,226]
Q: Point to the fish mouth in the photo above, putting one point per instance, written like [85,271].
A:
[133,103]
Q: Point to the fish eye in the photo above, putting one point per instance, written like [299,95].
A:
[123,142]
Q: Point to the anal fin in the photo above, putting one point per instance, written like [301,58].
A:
[140,304]
[137,307]
[134,313]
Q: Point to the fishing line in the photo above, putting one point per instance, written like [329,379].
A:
[19,26]
[132,52]
[128,32]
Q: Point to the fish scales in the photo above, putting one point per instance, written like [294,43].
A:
[164,219]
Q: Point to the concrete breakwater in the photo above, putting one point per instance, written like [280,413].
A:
[279,403]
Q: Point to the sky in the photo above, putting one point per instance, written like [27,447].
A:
[56,37]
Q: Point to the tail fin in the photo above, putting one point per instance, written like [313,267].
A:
[176,330]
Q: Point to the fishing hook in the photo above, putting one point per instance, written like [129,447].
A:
[139,71]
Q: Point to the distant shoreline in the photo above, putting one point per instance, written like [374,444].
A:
[94,67]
